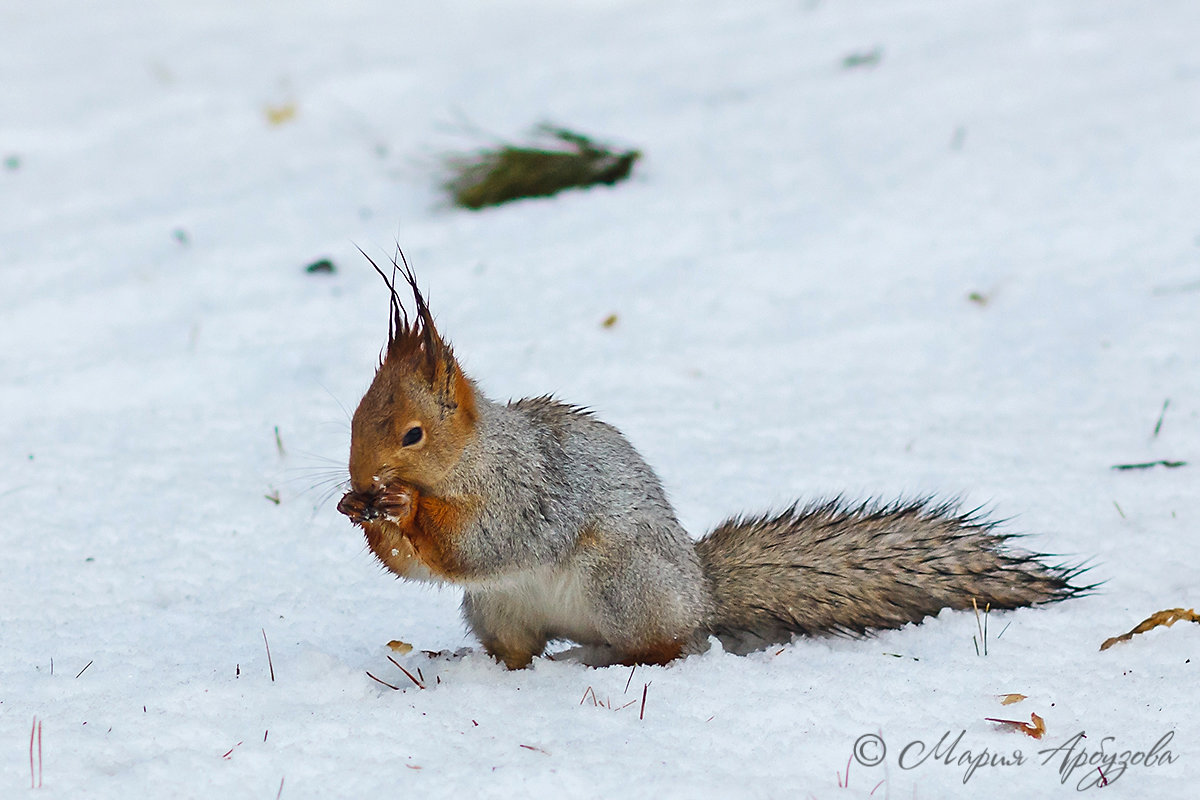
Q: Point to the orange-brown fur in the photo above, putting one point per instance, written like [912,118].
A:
[513,658]
[418,383]
[436,525]
[663,653]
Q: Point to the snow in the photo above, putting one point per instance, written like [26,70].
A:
[790,267]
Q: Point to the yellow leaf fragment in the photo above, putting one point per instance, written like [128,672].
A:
[277,115]
[1009,699]
[400,647]
[1165,618]
[1035,728]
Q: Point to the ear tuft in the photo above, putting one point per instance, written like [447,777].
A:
[416,343]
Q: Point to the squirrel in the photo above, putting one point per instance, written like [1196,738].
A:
[557,529]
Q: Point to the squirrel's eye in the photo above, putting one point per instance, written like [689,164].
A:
[412,436]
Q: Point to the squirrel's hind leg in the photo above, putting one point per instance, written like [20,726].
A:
[504,637]
[513,657]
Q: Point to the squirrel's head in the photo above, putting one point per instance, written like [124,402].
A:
[413,423]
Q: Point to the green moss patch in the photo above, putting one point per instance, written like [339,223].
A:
[492,177]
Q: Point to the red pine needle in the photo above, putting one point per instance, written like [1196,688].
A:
[269,663]
[85,666]
[385,683]
[406,672]
[642,713]
[630,679]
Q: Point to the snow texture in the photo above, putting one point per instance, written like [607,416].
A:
[792,266]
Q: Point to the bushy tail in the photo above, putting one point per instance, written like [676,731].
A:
[835,568]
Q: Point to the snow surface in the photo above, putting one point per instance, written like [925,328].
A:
[791,267]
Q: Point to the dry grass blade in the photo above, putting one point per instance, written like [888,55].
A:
[1162,414]
[1165,618]
[1149,464]
[35,735]
[492,177]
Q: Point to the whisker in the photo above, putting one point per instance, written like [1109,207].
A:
[324,470]
[318,456]
[330,493]
[335,398]
[331,483]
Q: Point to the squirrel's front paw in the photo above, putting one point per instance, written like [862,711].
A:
[396,504]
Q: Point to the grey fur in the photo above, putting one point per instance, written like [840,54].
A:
[573,538]
[833,567]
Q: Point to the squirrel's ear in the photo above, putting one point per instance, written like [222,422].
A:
[446,379]
[420,348]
